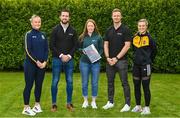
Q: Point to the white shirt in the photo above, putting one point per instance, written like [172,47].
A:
[64,26]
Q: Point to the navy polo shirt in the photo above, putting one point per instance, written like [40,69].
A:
[36,46]
[117,39]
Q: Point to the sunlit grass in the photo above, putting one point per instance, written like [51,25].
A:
[165,101]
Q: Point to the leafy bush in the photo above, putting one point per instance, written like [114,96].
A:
[163,16]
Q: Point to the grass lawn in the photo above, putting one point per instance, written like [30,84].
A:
[165,100]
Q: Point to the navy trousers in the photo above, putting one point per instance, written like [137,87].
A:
[32,74]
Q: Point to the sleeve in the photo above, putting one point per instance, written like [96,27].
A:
[46,49]
[133,48]
[154,50]
[75,42]
[80,45]
[100,45]
[106,38]
[53,42]
[128,36]
[28,47]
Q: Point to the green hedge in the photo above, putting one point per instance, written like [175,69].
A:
[163,16]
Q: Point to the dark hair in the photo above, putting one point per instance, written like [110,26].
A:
[64,10]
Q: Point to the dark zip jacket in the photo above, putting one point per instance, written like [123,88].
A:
[63,42]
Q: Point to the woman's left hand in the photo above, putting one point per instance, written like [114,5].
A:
[41,65]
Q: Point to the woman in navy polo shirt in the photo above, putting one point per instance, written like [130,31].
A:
[36,48]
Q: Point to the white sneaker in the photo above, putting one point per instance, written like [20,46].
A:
[145,111]
[28,111]
[85,104]
[93,104]
[125,108]
[108,105]
[37,108]
[137,108]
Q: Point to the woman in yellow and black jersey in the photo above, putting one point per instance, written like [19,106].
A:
[144,53]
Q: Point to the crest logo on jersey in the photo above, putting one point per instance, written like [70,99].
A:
[42,36]
[34,36]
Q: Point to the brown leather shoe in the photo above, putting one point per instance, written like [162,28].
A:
[54,108]
[70,107]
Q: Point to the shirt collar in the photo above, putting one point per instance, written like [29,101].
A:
[142,34]
[64,26]
[35,30]
[94,33]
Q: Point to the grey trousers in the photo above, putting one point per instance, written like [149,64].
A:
[122,68]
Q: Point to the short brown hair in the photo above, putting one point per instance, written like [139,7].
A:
[64,10]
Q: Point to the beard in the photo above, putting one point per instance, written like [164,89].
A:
[65,22]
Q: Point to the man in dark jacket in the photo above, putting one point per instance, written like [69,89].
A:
[63,44]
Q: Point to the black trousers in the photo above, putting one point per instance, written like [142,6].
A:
[32,74]
[142,75]
[122,68]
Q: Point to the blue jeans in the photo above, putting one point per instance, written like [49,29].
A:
[86,69]
[57,66]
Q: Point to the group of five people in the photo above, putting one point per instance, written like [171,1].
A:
[64,43]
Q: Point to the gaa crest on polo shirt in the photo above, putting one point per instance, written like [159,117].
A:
[34,36]
[42,36]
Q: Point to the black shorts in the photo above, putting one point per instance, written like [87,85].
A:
[141,70]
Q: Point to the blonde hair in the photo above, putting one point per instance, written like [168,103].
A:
[32,17]
[116,10]
[144,20]
[81,37]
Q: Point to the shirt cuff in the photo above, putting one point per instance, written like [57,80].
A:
[69,56]
[60,55]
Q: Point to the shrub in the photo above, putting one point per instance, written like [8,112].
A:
[163,16]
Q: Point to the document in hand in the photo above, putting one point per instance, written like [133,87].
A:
[92,53]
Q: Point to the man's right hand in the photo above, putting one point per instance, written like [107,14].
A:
[65,58]
[110,61]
